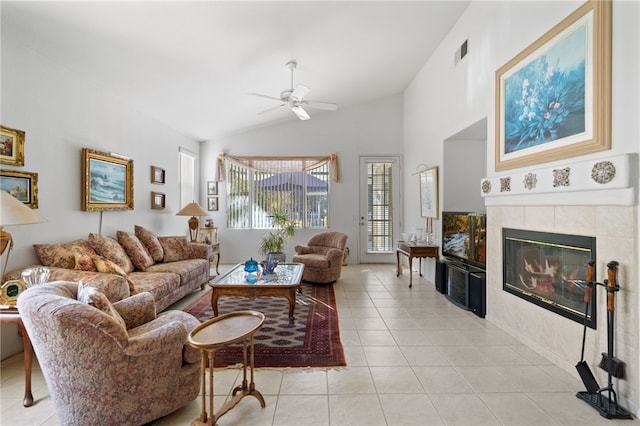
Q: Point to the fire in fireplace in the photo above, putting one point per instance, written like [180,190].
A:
[549,270]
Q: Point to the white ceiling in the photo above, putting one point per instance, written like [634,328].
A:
[191,65]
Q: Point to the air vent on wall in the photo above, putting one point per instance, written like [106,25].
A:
[461,52]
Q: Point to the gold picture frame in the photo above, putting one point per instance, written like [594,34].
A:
[157,175]
[11,146]
[157,200]
[429,192]
[107,181]
[553,100]
[22,185]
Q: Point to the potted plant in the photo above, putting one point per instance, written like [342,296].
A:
[274,241]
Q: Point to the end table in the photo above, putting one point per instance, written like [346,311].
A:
[210,336]
[209,235]
[10,313]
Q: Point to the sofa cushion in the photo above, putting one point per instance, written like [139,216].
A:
[175,248]
[109,248]
[96,298]
[62,255]
[188,270]
[138,254]
[150,242]
[159,284]
[108,267]
[84,262]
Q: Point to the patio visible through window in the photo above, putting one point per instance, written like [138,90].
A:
[254,195]
[379,208]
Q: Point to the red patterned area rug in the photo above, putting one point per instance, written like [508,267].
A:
[313,340]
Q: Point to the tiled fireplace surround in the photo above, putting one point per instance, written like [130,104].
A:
[554,336]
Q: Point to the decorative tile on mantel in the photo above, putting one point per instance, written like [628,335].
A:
[610,173]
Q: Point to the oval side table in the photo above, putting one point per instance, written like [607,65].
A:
[214,334]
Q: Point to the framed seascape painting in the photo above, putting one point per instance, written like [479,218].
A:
[107,181]
[429,192]
[22,185]
[553,100]
[11,146]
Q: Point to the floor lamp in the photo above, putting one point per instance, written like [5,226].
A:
[13,212]
[192,209]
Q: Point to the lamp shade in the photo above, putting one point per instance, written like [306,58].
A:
[192,209]
[14,212]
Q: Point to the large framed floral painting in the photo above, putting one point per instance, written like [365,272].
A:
[553,100]
[107,181]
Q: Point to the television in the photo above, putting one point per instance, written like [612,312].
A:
[464,237]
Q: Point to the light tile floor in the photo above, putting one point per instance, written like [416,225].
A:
[413,358]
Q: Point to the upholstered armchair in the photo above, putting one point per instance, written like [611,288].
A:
[322,257]
[110,364]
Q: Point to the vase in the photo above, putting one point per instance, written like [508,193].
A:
[269,265]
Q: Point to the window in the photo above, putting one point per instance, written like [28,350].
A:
[187,177]
[254,194]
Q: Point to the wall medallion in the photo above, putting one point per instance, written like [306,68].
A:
[603,172]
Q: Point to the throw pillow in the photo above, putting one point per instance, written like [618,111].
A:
[83,262]
[96,298]
[150,242]
[62,255]
[174,249]
[135,250]
[110,249]
[109,267]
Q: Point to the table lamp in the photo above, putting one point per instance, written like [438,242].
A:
[192,209]
[13,212]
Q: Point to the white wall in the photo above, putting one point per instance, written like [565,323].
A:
[373,129]
[443,99]
[62,113]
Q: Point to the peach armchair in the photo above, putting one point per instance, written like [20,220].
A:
[98,371]
[322,257]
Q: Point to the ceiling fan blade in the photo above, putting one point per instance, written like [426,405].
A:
[299,92]
[272,109]
[301,113]
[265,96]
[329,106]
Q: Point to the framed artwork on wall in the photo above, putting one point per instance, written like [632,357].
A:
[553,100]
[429,192]
[157,200]
[157,174]
[11,146]
[107,181]
[212,188]
[22,185]
[212,204]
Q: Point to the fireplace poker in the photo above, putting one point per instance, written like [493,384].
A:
[583,368]
[609,363]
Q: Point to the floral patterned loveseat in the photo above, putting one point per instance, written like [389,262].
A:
[168,267]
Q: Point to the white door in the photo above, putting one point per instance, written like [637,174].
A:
[379,208]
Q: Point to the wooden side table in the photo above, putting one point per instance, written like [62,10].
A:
[212,335]
[11,314]
[209,235]
[412,250]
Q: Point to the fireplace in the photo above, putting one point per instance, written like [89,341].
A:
[549,270]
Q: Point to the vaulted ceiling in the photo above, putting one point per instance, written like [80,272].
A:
[192,65]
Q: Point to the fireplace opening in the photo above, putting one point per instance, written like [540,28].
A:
[549,270]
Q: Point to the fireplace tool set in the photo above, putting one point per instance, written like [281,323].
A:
[602,399]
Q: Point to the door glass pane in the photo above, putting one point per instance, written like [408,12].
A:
[379,208]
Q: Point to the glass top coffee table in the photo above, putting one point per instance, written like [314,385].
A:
[284,282]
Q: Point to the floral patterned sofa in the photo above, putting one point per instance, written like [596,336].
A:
[110,364]
[168,267]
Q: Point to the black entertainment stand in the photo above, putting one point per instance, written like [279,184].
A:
[463,284]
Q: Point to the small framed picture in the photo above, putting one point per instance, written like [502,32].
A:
[157,175]
[157,200]
[22,185]
[212,204]
[11,146]
[212,188]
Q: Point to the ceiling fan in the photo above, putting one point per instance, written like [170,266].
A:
[294,98]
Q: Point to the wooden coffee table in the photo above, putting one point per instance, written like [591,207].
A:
[284,282]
